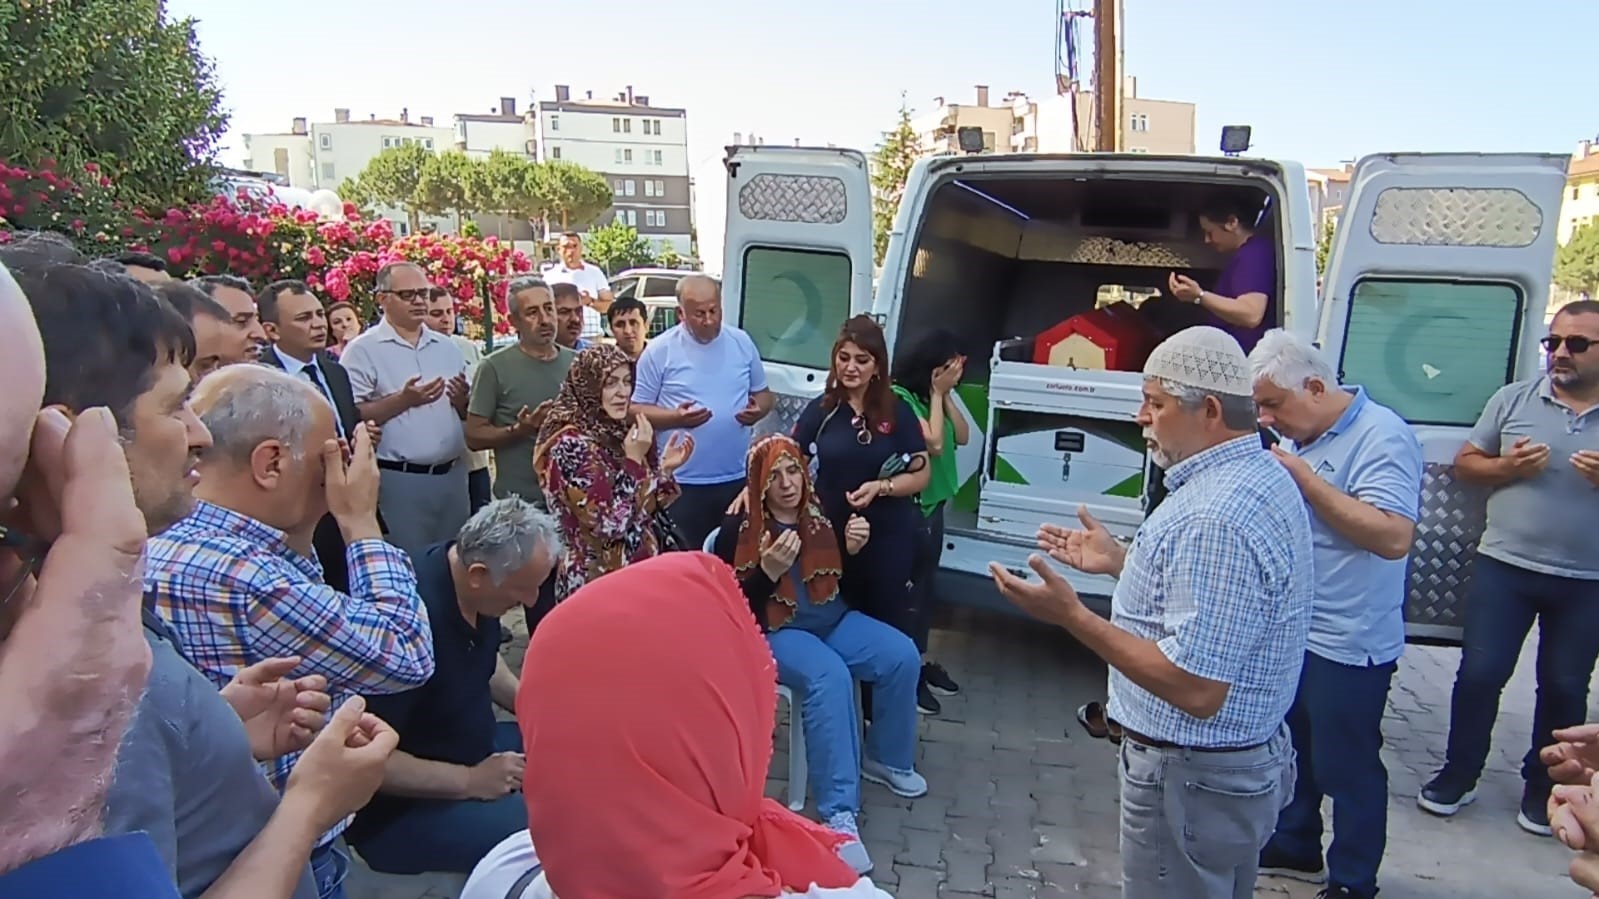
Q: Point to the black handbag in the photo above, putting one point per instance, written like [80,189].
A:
[668,535]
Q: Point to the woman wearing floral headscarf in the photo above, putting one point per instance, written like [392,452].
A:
[601,475]
[786,556]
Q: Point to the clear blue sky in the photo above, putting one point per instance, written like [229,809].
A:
[1320,82]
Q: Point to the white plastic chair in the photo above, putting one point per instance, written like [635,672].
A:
[799,771]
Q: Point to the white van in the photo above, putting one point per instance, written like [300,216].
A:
[1435,297]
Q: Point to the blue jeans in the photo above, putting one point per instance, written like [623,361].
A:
[1505,600]
[447,835]
[823,668]
[329,866]
[1336,726]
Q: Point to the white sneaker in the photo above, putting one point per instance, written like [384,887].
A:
[905,784]
[853,852]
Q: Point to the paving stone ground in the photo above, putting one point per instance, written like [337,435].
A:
[1022,803]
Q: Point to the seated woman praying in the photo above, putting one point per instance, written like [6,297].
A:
[647,761]
[786,556]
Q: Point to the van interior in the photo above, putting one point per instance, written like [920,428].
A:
[1001,258]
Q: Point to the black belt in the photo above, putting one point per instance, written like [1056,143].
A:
[413,468]
[1153,743]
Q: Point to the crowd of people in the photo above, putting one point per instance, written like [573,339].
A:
[291,544]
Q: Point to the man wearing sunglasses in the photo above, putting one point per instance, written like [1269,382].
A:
[1536,447]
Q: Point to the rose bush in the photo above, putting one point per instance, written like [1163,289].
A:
[261,240]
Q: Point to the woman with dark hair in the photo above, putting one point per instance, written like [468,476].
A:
[344,325]
[925,380]
[870,458]
[1243,300]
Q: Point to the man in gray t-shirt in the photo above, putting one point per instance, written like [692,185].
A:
[1536,447]
[512,390]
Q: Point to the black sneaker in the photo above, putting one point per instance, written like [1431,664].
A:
[926,702]
[1444,798]
[1277,863]
[938,680]
[1534,814]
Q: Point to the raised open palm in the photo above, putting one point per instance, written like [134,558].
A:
[1091,549]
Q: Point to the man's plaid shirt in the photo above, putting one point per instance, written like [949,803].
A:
[1220,576]
[236,594]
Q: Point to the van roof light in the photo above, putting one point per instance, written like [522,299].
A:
[1235,139]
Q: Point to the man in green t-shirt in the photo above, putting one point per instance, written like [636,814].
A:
[514,387]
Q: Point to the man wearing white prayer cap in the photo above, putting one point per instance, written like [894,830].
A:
[1207,630]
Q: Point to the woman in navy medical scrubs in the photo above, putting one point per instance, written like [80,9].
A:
[870,459]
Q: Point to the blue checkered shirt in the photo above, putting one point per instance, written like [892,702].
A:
[235,594]
[1220,577]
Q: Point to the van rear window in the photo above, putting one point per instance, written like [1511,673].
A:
[1432,351]
[793,302]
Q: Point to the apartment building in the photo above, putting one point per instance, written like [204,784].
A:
[937,130]
[1069,124]
[1581,205]
[641,148]
[320,155]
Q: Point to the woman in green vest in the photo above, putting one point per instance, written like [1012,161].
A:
[925,380]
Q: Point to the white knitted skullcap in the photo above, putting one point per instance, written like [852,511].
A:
[1204,358]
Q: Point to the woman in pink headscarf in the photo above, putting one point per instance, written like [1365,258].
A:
[646,761]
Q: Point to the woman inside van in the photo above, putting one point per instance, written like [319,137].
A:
[870,459]
[786,555]
[926,381]
[1244,301]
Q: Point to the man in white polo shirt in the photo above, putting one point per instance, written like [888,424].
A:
[412,380]
[704,377]
[590,281]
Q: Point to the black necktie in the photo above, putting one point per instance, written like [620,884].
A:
[316,378]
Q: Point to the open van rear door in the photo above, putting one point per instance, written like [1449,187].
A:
[1435,296]
[798,261]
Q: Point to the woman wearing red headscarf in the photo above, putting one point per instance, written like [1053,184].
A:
[787,558]
[646,760]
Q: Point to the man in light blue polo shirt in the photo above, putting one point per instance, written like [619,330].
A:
[1359,467]
[706,378]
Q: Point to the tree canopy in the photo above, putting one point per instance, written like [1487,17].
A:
[1577,263]
[113,82]
[891,165]
[616,247]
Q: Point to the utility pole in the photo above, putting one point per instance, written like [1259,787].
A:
[1107,75]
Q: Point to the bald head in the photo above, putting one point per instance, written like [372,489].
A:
[699,306]
[244,406]
[22,371]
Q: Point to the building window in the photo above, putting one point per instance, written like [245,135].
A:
[627,155]
[778,308]
[632,218]
[408,141]
[327,173]
[1406,340]
[555,123]
[660,188]
[427,142]
[627,126]
[1139,122]
[388,142]
[616,186]
[655,157]
[555,152]
[325,141]
[618,152]
[649,188]
[629,188]
[616,126]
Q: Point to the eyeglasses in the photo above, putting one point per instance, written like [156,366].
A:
[1577,345]
[863,434]
[30,550]
[411,296]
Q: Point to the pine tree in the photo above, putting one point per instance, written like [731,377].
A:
[891,165]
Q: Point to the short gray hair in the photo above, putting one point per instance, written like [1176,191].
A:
[1290,362]
[520,283]
[246,405]
[1238,413]
[384,279]
[503,536]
